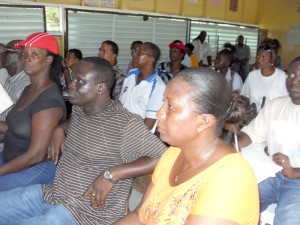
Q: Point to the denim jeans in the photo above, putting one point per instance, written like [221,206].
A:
[41,173]
[241,69]
[285,193]
[25,206]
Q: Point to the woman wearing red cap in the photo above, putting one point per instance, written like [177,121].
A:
[166,70]
[29,125]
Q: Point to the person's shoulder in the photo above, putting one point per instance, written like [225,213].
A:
[119,111]
[53,94]
[206,43]
[163,65]
[170,153]
[237,77]
[53,90]
[279,101]
[254,73]
[160,82]
[280,72]
[118,70]
[23,78]
[133,72]
[235,163]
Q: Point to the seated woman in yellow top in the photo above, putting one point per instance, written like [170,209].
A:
[201,181]
[189,51]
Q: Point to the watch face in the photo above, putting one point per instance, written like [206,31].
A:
[107,175]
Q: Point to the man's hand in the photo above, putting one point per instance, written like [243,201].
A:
[284,161]
[98,191]
[56,144]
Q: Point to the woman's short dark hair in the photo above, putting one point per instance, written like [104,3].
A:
[228,52]
[212,95]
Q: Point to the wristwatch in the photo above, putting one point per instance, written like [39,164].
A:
[108,176]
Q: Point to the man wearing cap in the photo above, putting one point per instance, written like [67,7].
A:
[3,71]
[142,91]
[202,49]
[167,70]
[17,79]
[109,50]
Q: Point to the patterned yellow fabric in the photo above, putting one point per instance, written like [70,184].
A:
[225,190]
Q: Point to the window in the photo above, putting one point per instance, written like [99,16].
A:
[87,30]
[17,22]
[218,34]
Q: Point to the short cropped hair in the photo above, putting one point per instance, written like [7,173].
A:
[102,70]
[114,46]
[77,53]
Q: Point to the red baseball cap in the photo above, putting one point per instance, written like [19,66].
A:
[178,45]
[40,40]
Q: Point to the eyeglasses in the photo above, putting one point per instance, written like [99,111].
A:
[142,53]
[293,75]
[103,50]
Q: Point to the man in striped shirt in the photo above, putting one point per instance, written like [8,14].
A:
[105,147]
[17,80]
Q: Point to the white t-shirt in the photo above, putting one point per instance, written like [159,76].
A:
[187,61]
[237,82]
[201,51]
[258,86]
[144,99]
[278,123]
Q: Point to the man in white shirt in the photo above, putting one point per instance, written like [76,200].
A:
[143,89]
[278,124]
[202,49]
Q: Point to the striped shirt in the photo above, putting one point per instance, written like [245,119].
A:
[14,87]
[112,137]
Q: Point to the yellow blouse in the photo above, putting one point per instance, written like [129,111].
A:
[225,190]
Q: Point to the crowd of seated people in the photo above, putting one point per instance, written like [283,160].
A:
[162,118]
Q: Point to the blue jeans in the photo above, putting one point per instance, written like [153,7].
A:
[285,193]
[41,173]
[241,69]
[25,206]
